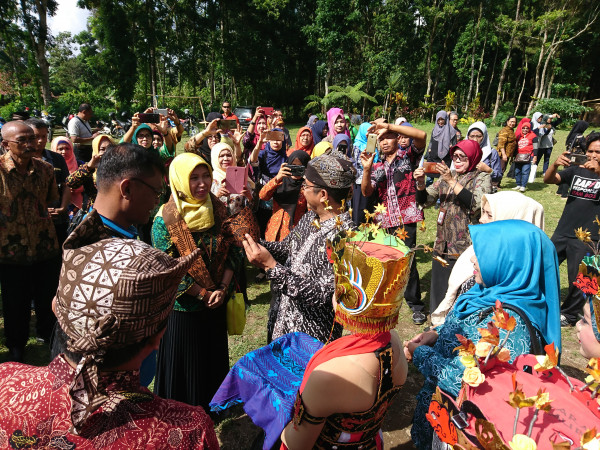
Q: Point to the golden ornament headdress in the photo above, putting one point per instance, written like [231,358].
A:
[371,272]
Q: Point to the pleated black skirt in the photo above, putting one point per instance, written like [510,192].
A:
[193,356]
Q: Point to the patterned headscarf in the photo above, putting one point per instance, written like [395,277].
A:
[331,171]
[112,294]
[72,164]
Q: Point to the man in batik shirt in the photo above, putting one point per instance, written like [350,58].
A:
[112,304]
[300,273]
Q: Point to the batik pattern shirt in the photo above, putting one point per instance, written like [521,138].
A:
[84,176]
[35,412]
[302,282]
[396,188]
[27,233]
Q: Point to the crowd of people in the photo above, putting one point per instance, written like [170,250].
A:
[129,253]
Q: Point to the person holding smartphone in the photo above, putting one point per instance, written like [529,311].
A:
[581,210]
[289,204]
[393,183]
[141,132]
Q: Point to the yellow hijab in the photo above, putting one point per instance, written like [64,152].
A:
[197,214]
[321,148]
[219,172]
[96,146]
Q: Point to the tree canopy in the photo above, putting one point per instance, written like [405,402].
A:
[391,56]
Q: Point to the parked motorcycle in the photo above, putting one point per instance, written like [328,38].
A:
[188,123]
[118,128]
[47,119]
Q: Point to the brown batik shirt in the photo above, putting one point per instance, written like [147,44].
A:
[27,232]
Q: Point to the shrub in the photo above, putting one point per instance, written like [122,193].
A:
[567,108]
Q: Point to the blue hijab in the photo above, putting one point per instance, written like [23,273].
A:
[269,160]
[519,267]
[317,130]
[341,137]
[361,138]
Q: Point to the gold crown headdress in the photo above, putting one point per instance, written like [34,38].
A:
[371,272]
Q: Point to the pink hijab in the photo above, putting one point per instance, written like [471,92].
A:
[72,164]
[332,116]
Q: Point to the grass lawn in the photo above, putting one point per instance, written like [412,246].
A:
[237,431]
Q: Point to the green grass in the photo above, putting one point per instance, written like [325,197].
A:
[237,430]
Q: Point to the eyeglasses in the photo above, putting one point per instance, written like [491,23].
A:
[226,107]
[23,141]
[157,192]
[308,186]
[459,158]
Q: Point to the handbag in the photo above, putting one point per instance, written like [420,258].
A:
[522,158]
[236,314]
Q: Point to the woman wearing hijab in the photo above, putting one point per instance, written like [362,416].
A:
[503,205]
[193,357]
[545,132]
[256,127]
[64,146]
[443,137]
[304,141]
[85,176]
[459,191]
[202,143]
[343,144]
[222,157]
[319,131]
[143,134]
[360,203]
[526,279]
[526,142]
[336,124]
[478,132]
[311,120]
[289,204]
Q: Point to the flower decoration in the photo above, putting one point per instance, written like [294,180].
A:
[549,361]
[380,209]
[473,376]
[592,381]
[503,355]
[590,440]
[583,235]
[328,207]
[401,234]
[483,348]
[468,361]
[502,319]
[522,442]
[315,223]
[466,347]
[423,226]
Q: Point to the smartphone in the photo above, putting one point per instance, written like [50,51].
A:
[267,110]
[297,170]
[577,160]
[275,136]
[227,124]
[236,179]
[149,117]
[429,167]
[371,143]
[162,111]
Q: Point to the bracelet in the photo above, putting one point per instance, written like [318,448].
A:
[252,123]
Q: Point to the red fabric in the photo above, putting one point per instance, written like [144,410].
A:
[299,146]
[571,414]
[520,125]
[525,143]
[35,408]
[472,150]
[354,344]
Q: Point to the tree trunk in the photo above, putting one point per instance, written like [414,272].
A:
[487,91]
[473,55]
[522,86]
[549,88]
[429,50]
[505,65]
[442,59]
[480,66]
[38,35]
[537,74]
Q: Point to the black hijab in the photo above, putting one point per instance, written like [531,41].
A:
[579,127]
[204,148]
[287,194]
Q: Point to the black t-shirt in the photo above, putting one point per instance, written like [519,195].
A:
[583,202]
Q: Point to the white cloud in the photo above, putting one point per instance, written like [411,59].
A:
[68,17]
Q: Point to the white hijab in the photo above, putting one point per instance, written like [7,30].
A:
[486,148]
[505,205]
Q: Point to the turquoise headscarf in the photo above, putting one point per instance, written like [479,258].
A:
[142,126]
[361,138]
[519,267]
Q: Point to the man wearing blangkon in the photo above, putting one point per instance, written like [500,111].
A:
[112,304]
